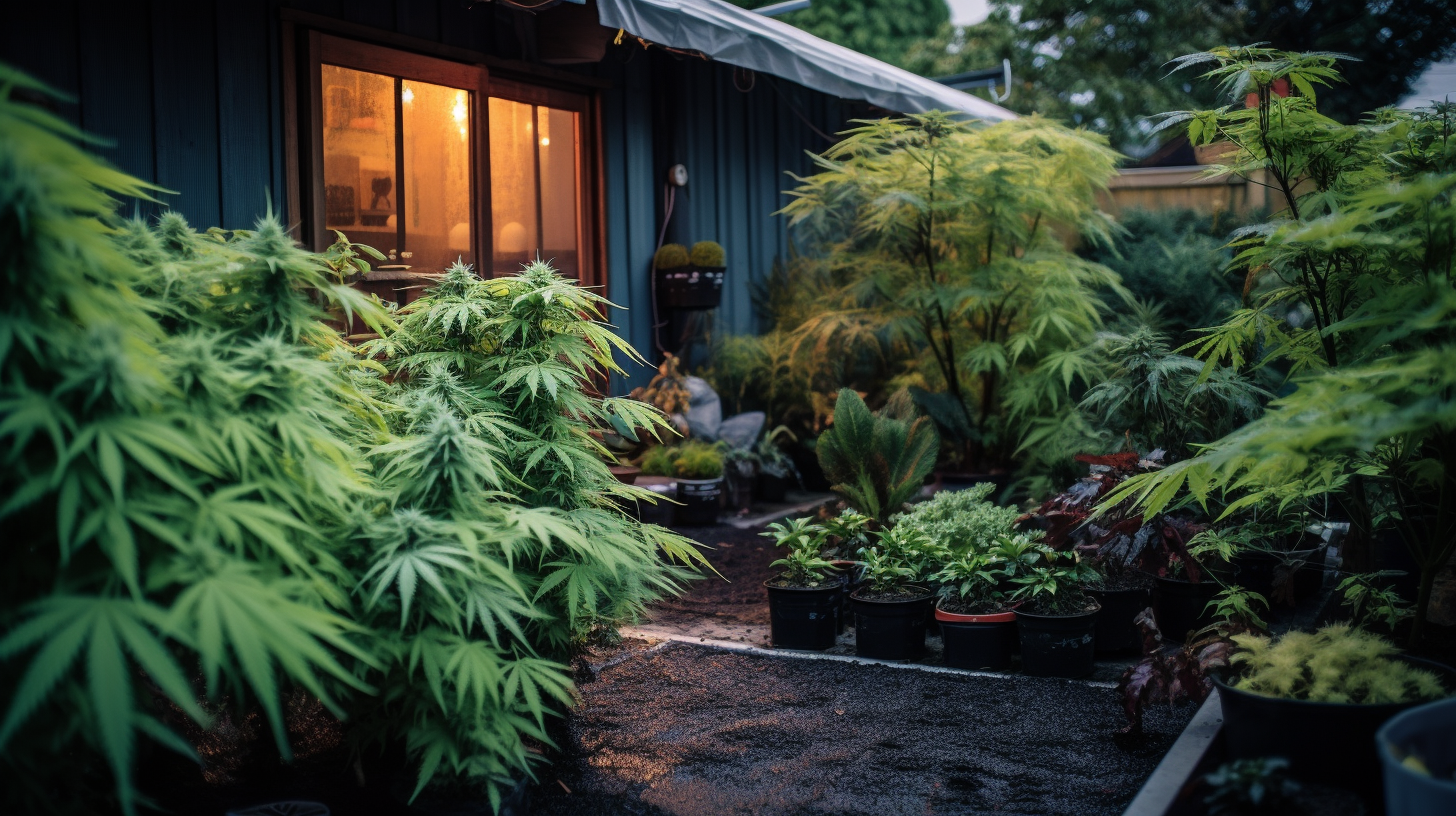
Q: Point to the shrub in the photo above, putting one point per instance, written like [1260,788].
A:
[671,256]
[877,462]
[1335,664]
[961,520]
[708,253]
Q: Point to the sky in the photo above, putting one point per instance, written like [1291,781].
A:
[968,12]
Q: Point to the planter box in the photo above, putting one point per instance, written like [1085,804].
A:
[690,287]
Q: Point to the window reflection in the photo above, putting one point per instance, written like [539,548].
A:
[534,183]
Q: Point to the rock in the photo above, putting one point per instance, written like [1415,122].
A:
[705,410]
[742,431]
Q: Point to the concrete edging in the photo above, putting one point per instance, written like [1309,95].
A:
[1161,790]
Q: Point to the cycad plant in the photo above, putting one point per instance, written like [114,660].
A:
[878,461]
[174,467]
[501,544]
[953,240]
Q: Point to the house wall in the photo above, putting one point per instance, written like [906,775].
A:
[189,95]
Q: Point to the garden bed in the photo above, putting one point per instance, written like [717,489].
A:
[687,729]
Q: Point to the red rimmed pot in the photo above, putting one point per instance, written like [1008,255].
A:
[891,629]
[978,642]
[1058,645]
[1328,743]
[804,617]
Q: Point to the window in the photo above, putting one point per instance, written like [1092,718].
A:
[430,161]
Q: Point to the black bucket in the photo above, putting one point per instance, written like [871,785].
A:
[772,489]
[890,630]
[1116,631]
[698,500]
[983,646]
[1181,607]
[804,617]
[1057,645]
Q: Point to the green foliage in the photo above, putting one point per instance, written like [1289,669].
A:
[671,256]
[1373,601]
[884,29]
[693,459]
[1364,249]
[772,459]
[1102,63]
[1155,398]
[877,461]
[1335,664]
[176,432]
[1052,581]
[950,241]
[803,566]
[1258,785]
[708,253]
[658,461]
[504,544]
[1238,605]
[961,520]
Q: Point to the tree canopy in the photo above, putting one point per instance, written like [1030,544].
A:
[884,29]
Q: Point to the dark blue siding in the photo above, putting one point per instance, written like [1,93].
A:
[188,94]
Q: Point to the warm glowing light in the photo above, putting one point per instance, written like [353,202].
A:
[408,95]
[545,141]
[459,111]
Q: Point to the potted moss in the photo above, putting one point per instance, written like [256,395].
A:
[698,467]
[1318,699]
[803,599]
[1057,620]
[890,611]
[690,279]
[977,619]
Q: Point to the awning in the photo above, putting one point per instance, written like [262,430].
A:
[739,37]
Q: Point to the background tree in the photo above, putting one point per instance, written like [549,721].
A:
[884,29]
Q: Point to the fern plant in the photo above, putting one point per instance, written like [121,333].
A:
[877,461]
[174,464]
[504,545]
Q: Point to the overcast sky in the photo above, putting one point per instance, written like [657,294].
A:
[968,12]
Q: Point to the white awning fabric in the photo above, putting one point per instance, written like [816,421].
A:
[739,37]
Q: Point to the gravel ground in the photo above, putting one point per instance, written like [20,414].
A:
[685,730]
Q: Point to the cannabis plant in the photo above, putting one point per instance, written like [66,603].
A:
[1335,664]
[952,240]
[877,461]
[503,545]
[175,465]
[1363,250]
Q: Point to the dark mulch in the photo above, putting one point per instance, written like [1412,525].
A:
[743,558]
[691,730]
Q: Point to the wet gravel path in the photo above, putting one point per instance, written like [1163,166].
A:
[685,730]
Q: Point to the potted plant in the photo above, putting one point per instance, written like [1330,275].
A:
[977,621]
[698,467]
[740,470]
[1188,578]
[1122,594]
[845,534]
[689,279]
[776,469]
[1057,620]
[890,611]
[1318,698]
[1419,758]
[803,600]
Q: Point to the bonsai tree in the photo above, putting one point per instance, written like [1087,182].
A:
[877,461]
[1363,248]
[953,239]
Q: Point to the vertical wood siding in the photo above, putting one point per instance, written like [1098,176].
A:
[188,94]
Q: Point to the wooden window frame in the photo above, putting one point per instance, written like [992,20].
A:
[308,41]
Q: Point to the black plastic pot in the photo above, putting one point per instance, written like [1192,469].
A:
[698,502]
[514,802]
[1182,606]
[1425,731]
[1116,631]
[1057,645]
[889,630]
[804,617]
[690,287]
[978,642]
[848,584]
[772,489]
[1327,743]
[1258,572]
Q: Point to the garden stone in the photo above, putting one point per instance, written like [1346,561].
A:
[742,431]
[705,410]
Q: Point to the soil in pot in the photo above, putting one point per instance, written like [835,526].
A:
[976,641]
[1122,598]
[1058,645]
[1328,743]
[804,617]
[891,625]
[1182,606]
[698,502]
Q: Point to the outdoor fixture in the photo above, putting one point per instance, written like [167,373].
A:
[983,78]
